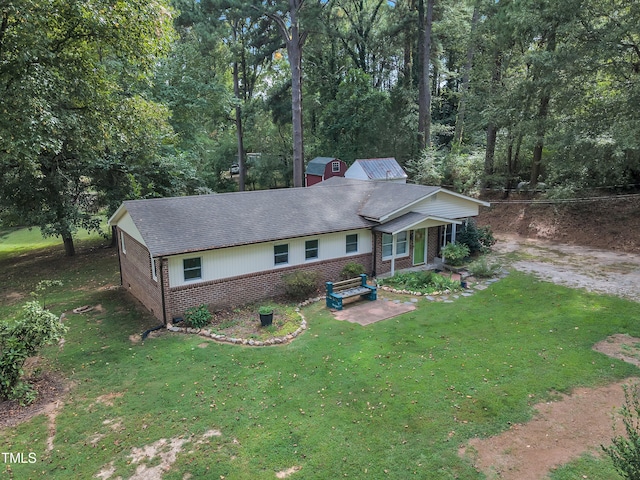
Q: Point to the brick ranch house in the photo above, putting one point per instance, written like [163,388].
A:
[233,248]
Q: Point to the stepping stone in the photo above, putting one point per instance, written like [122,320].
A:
[430,298]
[467,294]
[448,301]
[480,287]
[414,300]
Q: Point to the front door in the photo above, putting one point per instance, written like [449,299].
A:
[419,246]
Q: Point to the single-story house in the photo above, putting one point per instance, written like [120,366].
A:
[233,248]
[377,169]
[323,168]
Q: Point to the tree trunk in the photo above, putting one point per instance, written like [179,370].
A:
[294,49]
[492,129]
[69,248]
[424,102]
[239,131]
[541,118]
[457,138]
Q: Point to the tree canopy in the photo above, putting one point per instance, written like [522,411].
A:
[110,100]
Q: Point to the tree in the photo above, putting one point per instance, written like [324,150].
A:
[288,23]
[625,450]
[68,69]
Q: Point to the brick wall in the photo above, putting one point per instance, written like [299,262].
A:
[433,237]
[251,288]
[135,268]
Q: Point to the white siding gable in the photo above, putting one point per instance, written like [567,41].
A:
[247,259]
[126,225]
[444,205]
[356,171]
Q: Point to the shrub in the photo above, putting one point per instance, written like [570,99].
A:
[625,451]
[265,310]
[455,253]
[478,239]
[300,285]
[481,268]
[198,317]
[18,341]
[351,270]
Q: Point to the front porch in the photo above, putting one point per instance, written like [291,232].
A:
[411,242]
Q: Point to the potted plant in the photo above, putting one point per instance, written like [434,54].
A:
[266,315]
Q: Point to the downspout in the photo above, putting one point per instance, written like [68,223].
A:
[164,309]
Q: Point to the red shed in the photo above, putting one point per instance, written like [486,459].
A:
[321,168]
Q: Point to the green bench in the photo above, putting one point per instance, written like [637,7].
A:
[353,287]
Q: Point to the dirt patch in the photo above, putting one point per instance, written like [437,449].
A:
[560,432]
[595,270]
[51,389]
[611,223]
[288,472]
[108,398]
[153,460]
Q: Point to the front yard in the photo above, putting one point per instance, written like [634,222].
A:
[395,399]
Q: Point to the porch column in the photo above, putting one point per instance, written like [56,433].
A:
[393,254]
[453,233]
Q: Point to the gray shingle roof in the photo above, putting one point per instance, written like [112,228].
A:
[171,226]
[185,224]
[381,168]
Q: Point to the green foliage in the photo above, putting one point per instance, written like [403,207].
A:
[625,451]
[424,281]
[36,328]
[43,288]
[481,268]
[300,285]
[198,317]
[478,239]
[455,253]
[352,270]
[265,310]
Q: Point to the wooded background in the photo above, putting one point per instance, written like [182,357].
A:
[109,100]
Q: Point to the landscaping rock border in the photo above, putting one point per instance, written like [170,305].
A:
[446,295]
[250,342]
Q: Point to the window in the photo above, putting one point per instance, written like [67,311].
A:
[448,234]
[192,268]
[387,244]
[352,243]
[401,243]
[335,167]
[122,245]
[154,271]
[280,254]
[310,249]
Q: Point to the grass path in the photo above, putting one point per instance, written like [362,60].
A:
[391,400]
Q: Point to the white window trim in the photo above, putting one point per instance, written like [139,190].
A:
[394,247]
[317,257]
[355,252]
[194,279]
[280,264]
[333,167]
[154,268]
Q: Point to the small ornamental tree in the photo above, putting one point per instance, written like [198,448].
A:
[625,451]
[20,340]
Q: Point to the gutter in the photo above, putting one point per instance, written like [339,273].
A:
[164,309]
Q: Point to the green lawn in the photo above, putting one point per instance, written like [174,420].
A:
[392,400]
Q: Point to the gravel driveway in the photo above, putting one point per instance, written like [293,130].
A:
[574,266]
